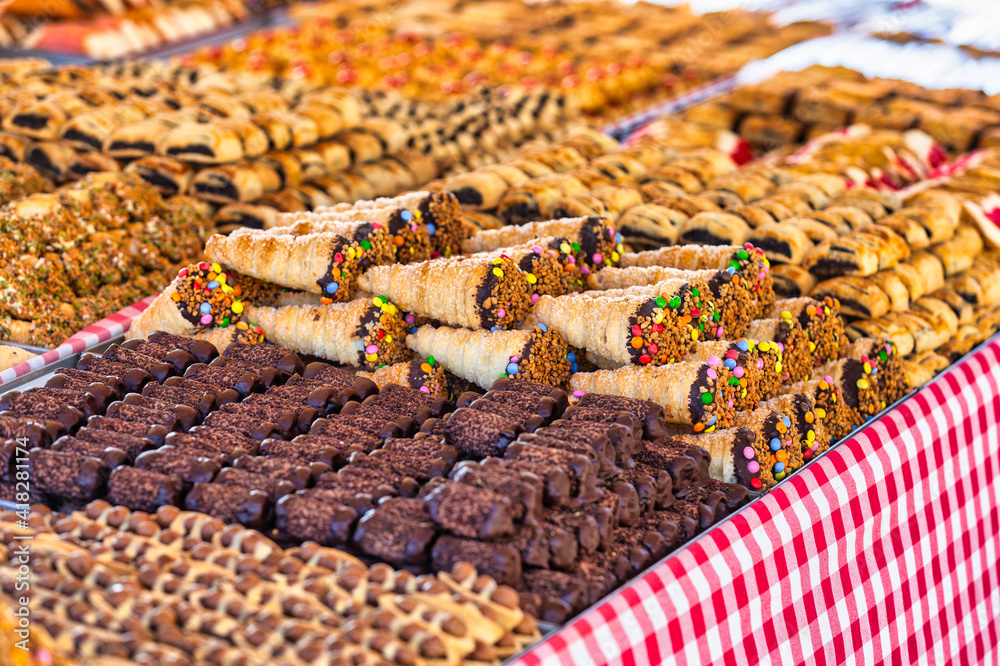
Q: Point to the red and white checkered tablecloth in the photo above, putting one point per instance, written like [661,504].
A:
[102,331]
[885,550]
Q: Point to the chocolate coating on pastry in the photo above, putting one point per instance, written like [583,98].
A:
[66,406]
[523,489]
[683,470]
[256,421]
[531,388]
[66,475]
[558,591]
[399,531]
[604,415]
[214,442]
[282,468]
[470,511]
[105,394]
[545,406]
[230,504]
[235,378]
[557,483]
[374,411]
[333,424]
[202,350]
[736,494]
[531,543]
[184,466]
[582,526]
[370,482]
[178,395]
[501,561]
[109,456]
[155,433]
[315,515]
[525,418]
[143,490]
[596,446]
[480,433]
[258,357]
[185,417]
[179,358]
[40,433]
[132,378]
[160,370]
[620,436]
[333,376]
[650,414]
[580,469]
[275,488]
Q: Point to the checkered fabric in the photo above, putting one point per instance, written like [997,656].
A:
[884,550]
[106,329]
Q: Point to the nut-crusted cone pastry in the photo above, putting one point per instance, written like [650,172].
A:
[471,292]
[538,355]
[833,416]
[594,239]
[628,329]
[733,297]
[775,444]
[408,228]
[856,384]
[734,458]
[805,424]
[549,266]
[691,393]
[240,333]
[747,364]
[323,263]
[202,294]
[374,245]
[368,332]
[748,261]
[791,340]
[883,358]
[425,374]
[820,320]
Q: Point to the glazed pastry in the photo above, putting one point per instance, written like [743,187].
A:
[463,291]
[536,355]
[52,158]
[352,333]
[318,263]
[537,199]
[858,297]
[815,230]
[598,243]
[894,288]
[923,273]
[234,216]
[958,254]
[691,393]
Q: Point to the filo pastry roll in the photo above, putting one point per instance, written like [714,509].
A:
[325,263]
[775,451]
[734,458]
[201,295]
[734,297]
[748,366]
[856,384]
[833,416]
[821,321]
[537,355]
[424,374]
[594,240]
[630,329]
[804,422]
[374,244]
[472,292]
[166,174]
[549,266]
[366,332]
[883,357]
[791,341]
[747,261]
[406,228]
[691,393]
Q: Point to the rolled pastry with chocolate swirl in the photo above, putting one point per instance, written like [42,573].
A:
[690,392]
[734,458]
[424,374]
[594,240]
[200,295]
[537,355]
[366,332]
[324,263]
[471,292]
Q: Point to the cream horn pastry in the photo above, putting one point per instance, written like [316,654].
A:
[856,384]
[629,329]
[734,458]
[471,292]
[324,263]
[366,332]
[691,393]
[747,261]
[480,356]
[804,422]
[748,363]
[202,294]
[777,455]
[593,239]
[223,337]
[548,264]
[425,374]
[883,359]
[792,343]
[833,416]
[440,213]
[407,230]
[821,321]
[374,245]
[733,297]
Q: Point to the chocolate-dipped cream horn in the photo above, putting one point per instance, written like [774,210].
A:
[323,263]
[374,244]
[775,447]
[690,393]
[439,212]
[367,332]
[537,355]
[628,329]
[472,292]
[733,296]
[856,384]
[425,374]
[202,294]
[832,413]
[734,458]
[748,363]
[820,320]
[883,358]
[790,339]
[748,261]
[222,337]
[548,264]
[593,239]
[804,422]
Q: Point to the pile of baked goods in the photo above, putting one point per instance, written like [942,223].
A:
[107,29]
[609,57]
